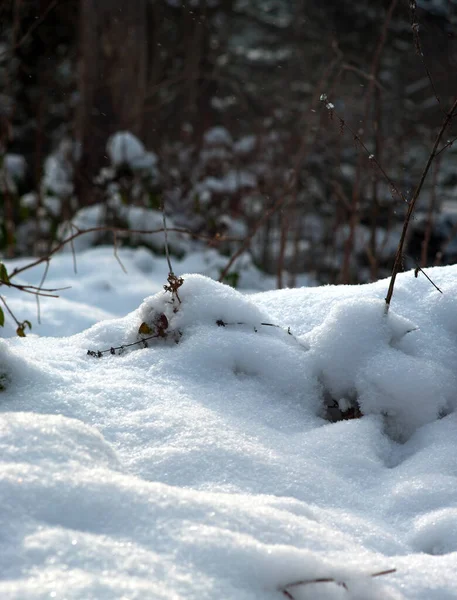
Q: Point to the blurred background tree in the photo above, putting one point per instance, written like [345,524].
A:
[223,100]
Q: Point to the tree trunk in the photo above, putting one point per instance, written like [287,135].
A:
[112,79]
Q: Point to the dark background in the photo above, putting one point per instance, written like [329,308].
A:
[74,72]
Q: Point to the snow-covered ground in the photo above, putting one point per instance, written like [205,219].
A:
[205,466]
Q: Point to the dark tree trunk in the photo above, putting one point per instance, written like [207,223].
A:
[112,79]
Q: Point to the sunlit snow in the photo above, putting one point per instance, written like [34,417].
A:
[207,465]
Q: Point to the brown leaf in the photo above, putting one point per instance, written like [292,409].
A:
[144,329]
[161,322]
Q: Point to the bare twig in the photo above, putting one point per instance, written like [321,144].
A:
[117,230]
[430,213]
[415,27]
[173,282]
[375,206]
[31,29]
[369,76]
[114,349]
[419,269]
[5,304]
[354,214]
[399,255]
[116,255]
[288,594]
[34,290]
[222,323]
[43,279]
[449,144]
[247,242]
[358,140]
[165,231]
[282,248]
[73,253]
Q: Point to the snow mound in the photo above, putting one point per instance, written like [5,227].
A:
[204,469]
[358,353]
[52,439]
[205,301]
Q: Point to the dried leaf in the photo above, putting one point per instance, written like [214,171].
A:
[144,329]
[162,322]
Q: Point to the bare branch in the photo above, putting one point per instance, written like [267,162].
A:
[398,257]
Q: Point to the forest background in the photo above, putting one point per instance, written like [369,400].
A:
[291,131]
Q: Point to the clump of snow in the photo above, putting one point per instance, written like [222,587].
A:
[213,188]
[49,204]
[12,171]
[59,170]
[15,166]
[218,136]
[359,326]
[123,148]
[57,178]
[245,145]
[357,351]
[204,302]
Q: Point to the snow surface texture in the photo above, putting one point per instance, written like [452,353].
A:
[204,469]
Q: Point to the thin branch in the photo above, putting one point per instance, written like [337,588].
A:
[165,231]
[393,187]
[282,247]
[430,215]
[415,27]
[356,189]
[114,349]
[34,290]
[416,272]
[368,76]
[247,242]
[73,253]
[43,279]
[288,594]
[118,230]
[31,29]
[116,255]
[398,257]
[222,323]
[449,144]
[174,282]
[9,310]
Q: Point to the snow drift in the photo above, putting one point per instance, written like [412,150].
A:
[207,465]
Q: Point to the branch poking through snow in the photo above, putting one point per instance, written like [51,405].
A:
[288,594]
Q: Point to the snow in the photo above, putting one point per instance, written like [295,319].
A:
[59,170]
[15,165]
[230,183]
[218,136]
[123,148]
[206,465]
[245,145]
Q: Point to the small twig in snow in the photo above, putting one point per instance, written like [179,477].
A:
[37,297]
[416,273]
[288,594]
[399,255]
[116,255]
